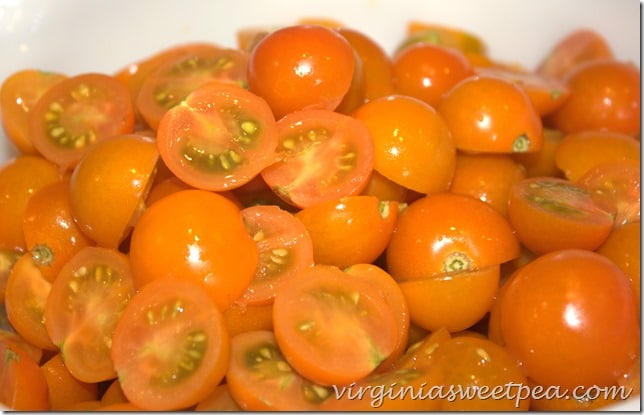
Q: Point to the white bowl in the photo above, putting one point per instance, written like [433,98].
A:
[74,36]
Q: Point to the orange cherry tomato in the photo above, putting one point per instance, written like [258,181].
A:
[210,245]
[323,155]
[219,400]
[83,308]
[52,235]
[542,162]
[113,393]
[240,317]
[109,185]
[384,188]
[413,145]
[579,152]
[571,319]
[180,74]
[8,258]
[20,178]
[604,95]
[301,67]
[78,112]
[438,34]
[447,232]
[219,138]
[427,71]
[349,230]
[18,95]
[487,177]
[493,115]
[64,388]
[181,348]
[23,386]
[285,248]
[333,328]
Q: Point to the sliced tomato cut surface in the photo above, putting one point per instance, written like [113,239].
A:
[285,248]
[220,137]
[170,347]
[333,328]
[324,155]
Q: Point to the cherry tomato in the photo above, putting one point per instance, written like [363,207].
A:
[210,245]
[447,232]
[301,67]
[64,388]
[83,308]
[413,145]
[285,248]
[491,114]
[8,258]
[18,95]
[349,230]
[333,328]
[542,162]
[384,188]
[586,332]
[78,112]
[604,95]
[52,235]
[549,214]
[218,401]
[20,178]
[23,386]
[323,155]
[219,137]
[448,36]
[426,71]
[241,317]
[174,79]
[170,347]
[109,185]
[259,378]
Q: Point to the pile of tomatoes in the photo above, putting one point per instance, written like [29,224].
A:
[308,222]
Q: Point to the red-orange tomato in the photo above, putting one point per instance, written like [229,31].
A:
[301,67]
[427,71]
[448,232]
[604,95]
[23,386]
[491,114]
[210,245]
[413,144]
[571,319]
[349,230]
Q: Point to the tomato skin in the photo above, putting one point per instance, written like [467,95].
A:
[64,389]
[301,67]
[448,232]
[209,246]
[491,114]
[405,131]
[223,121]
[605,95]
[23,386]
[170,346]
[586,333]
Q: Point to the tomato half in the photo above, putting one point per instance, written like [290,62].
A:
[323,155]
[219,137]
[331,327]
[78,112]
[83,308]
[170,347]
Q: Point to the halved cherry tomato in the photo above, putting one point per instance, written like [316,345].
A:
[64,389]
[78,112]
[113,393]
[549,214]
[18,95]
[493,115]
[109,185]
[413,145]
[420,354]
[259,378]
[8,258]
[26,296]
[23,386]
[577,153]
[10,336]
[210,245]
[285,248]
[604,95]
[438,34]
[83,308]
[170,83]
[52,235]
[571,319]
[447,232]
[219,137]
[301,67]
[240,317]
[170,347]
[542,162]
[218,401]
[323,154]
[349,230]
[333,328]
